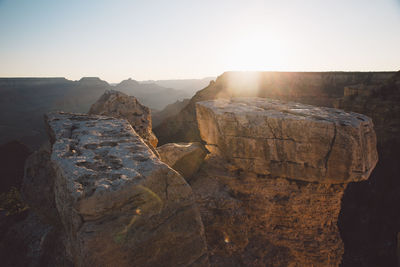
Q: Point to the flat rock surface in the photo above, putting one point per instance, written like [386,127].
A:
[119,204]
[289,140]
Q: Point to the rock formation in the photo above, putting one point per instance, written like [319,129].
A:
[270,192]
[118,203]
[186,158]
[367,221]
[119,105]
[290,140]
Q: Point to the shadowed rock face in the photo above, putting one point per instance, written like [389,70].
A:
[12,159]
[38,186]
[119,105]
[119,204]
[270,191]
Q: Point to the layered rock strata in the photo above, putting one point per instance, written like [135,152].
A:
[119,105]
[118,203]
[270,192]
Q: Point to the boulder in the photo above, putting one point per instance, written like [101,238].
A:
[119,105]
[186,158]
[290,140]
[118,203]
[270,191]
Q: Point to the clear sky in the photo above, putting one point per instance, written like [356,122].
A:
[148,39]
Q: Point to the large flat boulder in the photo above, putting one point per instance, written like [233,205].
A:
[119,105]
[289,139]
[119,204]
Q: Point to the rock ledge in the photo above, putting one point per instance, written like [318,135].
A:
[291,140]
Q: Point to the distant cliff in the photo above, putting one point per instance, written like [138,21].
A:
[151,95]
[23,101]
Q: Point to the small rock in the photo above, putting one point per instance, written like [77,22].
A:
[186,158]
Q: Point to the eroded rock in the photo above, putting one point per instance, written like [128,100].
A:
[119,204]
[270,191]
[119,105]
[290,140]
[186,158]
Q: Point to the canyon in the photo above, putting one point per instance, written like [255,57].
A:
[247,173]
[23,101]
[266,190]
[369,219]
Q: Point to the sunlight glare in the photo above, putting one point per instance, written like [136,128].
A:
[244,83]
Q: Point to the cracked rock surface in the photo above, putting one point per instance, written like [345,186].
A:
[118,203]
[270,191]
[291,140]
[119,105]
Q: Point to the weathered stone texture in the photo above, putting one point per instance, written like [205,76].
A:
[119,105]
[119,204]
[290,140]
[186,158]
[259,221]
[270,192]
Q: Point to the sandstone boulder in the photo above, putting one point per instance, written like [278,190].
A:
[185,158]
[119,204]
[119,105]
[270,191]
[290,140]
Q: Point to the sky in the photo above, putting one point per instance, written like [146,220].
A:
[149,39]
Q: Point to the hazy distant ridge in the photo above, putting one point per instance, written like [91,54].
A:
[23,101]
